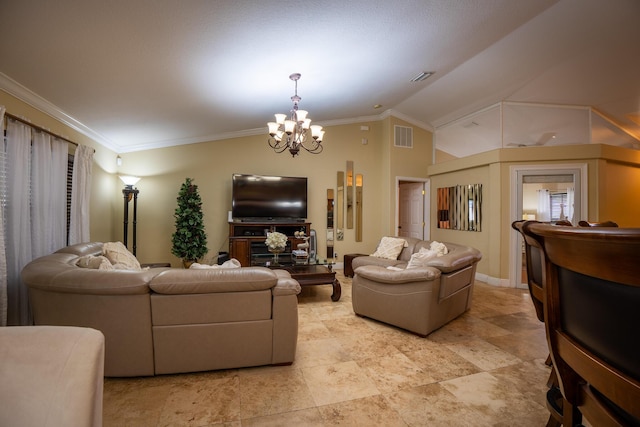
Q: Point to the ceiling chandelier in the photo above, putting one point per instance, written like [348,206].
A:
[293,133]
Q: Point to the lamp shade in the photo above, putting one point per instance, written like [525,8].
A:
[301,115]
[273,128]
[129,180]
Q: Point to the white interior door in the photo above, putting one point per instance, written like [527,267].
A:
[411,210]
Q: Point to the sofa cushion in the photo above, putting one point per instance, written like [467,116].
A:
[179,281]
[120,256]
[389,247]
[94,262]
[384,275]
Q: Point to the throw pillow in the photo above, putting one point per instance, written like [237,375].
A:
[439,248]
[389,248]
[232,263]
[94,262]
[120,256]
[420,258]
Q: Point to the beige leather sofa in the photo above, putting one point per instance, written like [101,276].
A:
[420,299]
[51,376]
[163,320]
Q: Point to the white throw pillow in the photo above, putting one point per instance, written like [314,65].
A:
[94,262]
[232,263]
[439,248]
[120,256]
[420,258]
[389,248]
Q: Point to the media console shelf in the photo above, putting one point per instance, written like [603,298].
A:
[246,240]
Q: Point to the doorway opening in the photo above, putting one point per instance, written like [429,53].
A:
[544,193]
[413,207]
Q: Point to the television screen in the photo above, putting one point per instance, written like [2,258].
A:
[268,198]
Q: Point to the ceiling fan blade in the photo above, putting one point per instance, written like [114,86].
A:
[546,137]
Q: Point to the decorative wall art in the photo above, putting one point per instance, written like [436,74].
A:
[460,207]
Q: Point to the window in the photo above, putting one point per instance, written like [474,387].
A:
[558,206]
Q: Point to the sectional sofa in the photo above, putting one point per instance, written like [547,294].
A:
[164,320]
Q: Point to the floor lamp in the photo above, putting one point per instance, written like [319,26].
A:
[130,192]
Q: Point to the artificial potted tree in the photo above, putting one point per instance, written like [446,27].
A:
[189,242]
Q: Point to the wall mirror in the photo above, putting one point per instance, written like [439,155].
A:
[349,194]
[330,208]
[340,204]
[330,213]
[359,207]
[460,207]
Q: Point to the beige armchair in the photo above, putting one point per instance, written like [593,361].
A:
[419,299]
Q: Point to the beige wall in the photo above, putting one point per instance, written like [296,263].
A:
[211,165]
[405,163]
[481,174]
[613,185]
[619,193]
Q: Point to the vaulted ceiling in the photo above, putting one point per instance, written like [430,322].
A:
[144,74]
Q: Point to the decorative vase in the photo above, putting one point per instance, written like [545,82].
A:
[276,251]
[186,263]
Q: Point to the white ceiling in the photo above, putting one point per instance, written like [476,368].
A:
[147,73]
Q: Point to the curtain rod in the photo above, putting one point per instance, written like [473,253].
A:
[39,128]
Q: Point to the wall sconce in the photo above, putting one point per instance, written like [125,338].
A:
[130,192]
[118,161]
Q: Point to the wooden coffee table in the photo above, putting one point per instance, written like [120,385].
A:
[315,274]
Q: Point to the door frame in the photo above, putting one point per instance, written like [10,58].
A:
[426,185]
[517,172]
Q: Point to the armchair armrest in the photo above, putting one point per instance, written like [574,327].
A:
[384,275]
[286,286]
[457,258]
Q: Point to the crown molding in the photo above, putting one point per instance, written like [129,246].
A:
[15,89]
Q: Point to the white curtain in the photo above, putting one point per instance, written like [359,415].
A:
[48,194]
[17,214]
[544,206]
[34,208]
[3,256]
[80,195]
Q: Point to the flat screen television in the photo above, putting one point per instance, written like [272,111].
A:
[259,198]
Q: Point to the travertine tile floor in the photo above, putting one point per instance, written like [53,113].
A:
[485,368]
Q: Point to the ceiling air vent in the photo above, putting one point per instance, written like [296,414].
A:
[403,137]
